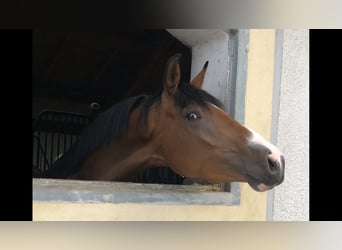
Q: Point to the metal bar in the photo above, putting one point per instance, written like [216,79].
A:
[64,134]
[52,142]
[37,158]
[45,146]
[40,149]
[58,142]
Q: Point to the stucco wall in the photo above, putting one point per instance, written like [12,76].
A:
[291,199]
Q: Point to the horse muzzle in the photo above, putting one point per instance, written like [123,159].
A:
[274,176]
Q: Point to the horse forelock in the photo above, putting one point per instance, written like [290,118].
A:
[186,94]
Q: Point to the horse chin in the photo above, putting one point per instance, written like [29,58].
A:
[261,187]
[257,185]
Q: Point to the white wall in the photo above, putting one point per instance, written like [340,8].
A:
[211,45]
[291,199]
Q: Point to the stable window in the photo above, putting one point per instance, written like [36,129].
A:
[73,70]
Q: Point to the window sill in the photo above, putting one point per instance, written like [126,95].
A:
[76,191]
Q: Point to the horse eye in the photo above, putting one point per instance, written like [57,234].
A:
[192,116]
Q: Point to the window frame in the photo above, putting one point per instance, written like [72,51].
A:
[230,89]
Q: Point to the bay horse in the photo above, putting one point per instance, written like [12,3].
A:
[182,127]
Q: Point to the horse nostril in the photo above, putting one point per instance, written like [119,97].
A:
[274,166]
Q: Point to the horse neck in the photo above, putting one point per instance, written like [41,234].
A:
[124,157]
[141,140]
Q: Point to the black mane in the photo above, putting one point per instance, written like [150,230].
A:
[114,122]
[107,126]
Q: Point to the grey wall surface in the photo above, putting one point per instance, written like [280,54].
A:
[291,199]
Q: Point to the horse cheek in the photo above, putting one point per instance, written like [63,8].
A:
[173,152]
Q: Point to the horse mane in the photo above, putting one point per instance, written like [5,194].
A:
[113,122]
[107,126]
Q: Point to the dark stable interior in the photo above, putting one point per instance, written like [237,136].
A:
[72,70]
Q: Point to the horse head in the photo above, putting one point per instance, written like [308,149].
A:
[197,138]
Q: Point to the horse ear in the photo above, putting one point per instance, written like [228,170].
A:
[172,74]
[197,82]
